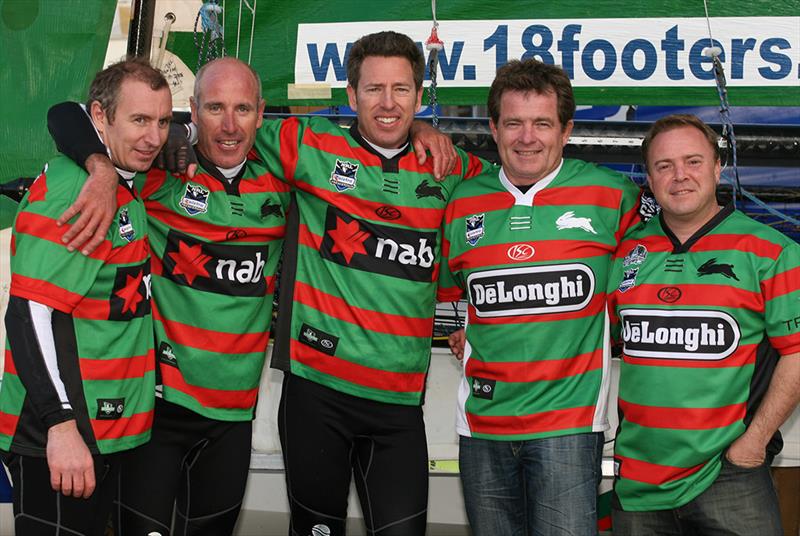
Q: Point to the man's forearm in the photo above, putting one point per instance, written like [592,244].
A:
[780,400]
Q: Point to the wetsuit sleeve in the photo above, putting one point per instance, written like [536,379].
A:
[33,348]
[73,132]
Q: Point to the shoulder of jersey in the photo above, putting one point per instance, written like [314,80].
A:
[486,182]
[746,225]
[594,175]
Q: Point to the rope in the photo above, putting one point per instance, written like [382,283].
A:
[209,39]
[433,44]
[252,10]
[714,52]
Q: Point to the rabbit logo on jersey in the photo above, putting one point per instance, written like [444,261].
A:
[679,334]
[531,290]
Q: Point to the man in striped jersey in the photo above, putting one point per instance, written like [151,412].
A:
[78,384]
[707,307]
[531,243]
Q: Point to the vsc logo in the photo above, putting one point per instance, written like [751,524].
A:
[520,252]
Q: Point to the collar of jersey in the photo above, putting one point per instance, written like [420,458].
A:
[390,165]
[527,197]
[677,247]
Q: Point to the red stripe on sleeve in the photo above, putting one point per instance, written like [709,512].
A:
[45,293]
[45,228]
[289,147]
[781,284]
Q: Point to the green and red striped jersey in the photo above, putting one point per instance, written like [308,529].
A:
[702,325]
[103,336]
[533,267]
[368,241]
[216,245]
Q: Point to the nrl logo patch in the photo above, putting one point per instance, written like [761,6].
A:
[343,176]
[628,280]
[636,256]
[194,200]
[568,220]
[475,230]
[166,355]
[483,388]
[126,230]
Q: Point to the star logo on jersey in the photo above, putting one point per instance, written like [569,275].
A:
[475,230]
[126,230]
[711,267]
[348,239]
[568,220]
[195,199]
[343,176]
[190,261]
[429,190]
[130,293]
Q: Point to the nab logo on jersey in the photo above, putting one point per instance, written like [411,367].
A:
[343,176]
[376,248]
[679,334]
[195,199]
[131,295]
[531,290]
[483,388]
[126,230]
[110,408]
[233,270]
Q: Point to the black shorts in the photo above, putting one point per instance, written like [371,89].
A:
[40,511]
[327,436]
[196,464]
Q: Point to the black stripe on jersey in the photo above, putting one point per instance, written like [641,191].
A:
[287,275]
[766,360]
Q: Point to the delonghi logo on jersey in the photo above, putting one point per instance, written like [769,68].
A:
[110,408]
[531,290]
[387,212]
[475,230]
[568,220]
[679,334]
[711,267]
[628,280]
[166,355]
[130,297]
[318,339]
[429,190]
[376,248]
[483,388]
[126,230]
[343,176]
[320,530]
[520,252]
[270,209]
[231,269]
[195,199]
[636,256]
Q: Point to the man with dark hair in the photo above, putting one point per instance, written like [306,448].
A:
[704,299]
[78,384]
[530,243]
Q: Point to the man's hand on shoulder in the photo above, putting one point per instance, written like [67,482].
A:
[177,155]
[70,462]
[425,137]
[96,204]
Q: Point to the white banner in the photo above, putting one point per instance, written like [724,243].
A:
[645,52]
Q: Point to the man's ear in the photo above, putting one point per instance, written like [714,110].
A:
[98,115]
[493,128]
[351,97]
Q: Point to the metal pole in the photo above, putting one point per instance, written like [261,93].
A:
[140,31]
